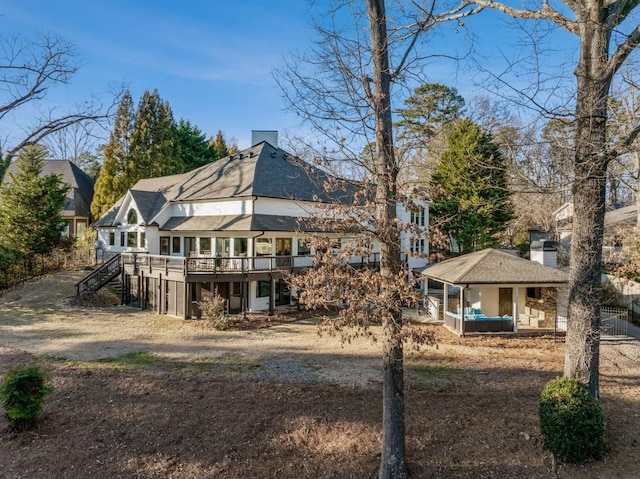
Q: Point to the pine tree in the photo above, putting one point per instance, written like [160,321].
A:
[431,107]
[193,148]
[110,185]
[153,147]
[469,189]
[220,145]
[31,206]
[149,144]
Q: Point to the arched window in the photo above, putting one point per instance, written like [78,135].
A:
[132,217]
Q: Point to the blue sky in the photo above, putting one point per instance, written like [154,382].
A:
[212,60]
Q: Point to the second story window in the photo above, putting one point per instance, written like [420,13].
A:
[132,217]
[418,246]
[304,247]
[418,217]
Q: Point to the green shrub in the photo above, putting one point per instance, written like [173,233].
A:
[22,394]
[571,421]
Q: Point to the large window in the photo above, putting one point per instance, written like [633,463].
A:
[223,246]
[132,239]
[264,289]
[205,246]
[304,247]
[164,245]
[283,246]
[175,244]
[240,246]
[264,247]
[189,245]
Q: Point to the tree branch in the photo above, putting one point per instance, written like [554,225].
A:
[428,21]
[546,12]
[622,52]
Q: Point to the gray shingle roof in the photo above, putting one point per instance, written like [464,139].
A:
[262,171]
[491,266]
[78,201]
[624,215]
[255,222]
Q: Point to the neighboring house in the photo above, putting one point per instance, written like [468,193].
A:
[618,223]
[234,227]
[77,207]
[487,289]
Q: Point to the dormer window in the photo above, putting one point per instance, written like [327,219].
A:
[132,217]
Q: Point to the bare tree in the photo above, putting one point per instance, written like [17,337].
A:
[73,143]
[607,31]
[344,89]
[28,70]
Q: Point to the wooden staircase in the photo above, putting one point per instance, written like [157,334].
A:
[106,273]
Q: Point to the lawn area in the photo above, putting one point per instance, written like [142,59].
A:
[158,398]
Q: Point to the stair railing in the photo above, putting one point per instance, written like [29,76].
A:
[99,277]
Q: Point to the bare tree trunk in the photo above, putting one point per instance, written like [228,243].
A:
[583,333]
[392,462]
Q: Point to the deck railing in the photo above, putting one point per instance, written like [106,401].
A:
[228,264]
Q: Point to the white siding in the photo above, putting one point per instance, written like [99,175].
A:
[281,207]
[213,208]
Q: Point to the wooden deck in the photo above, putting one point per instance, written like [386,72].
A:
[212,266]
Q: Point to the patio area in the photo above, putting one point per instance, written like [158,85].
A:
[491,291]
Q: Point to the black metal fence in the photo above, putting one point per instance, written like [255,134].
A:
[38,265]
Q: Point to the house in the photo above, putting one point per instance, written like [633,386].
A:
[235,227]
[77,207]
[618,224]
[494,291]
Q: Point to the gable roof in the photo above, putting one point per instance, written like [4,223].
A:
[625,215]
[260,171]
[79,197]
[490,266]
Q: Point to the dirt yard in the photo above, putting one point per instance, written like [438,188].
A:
[144,396]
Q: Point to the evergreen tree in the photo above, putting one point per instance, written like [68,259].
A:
[110,184]
[431,107]
[31,206]
[193,148]
[149,144]
[424,124]
[471,200]
[153,148]
[221,147]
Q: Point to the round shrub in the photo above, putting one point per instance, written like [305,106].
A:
[22,394]
[571,421]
